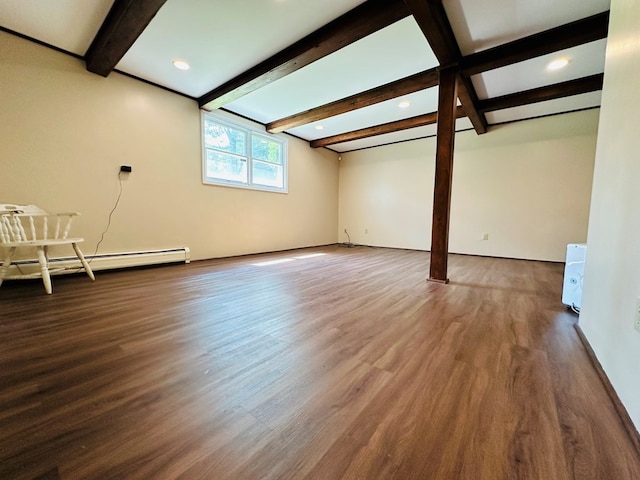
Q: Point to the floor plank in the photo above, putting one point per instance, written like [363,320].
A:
[322,363]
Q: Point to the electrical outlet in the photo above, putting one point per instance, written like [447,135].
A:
[636,320]
[485,236]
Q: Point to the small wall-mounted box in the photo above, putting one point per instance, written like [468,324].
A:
[125,168]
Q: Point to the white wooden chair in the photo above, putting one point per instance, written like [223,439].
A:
[27,226]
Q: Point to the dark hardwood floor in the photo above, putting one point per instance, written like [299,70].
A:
[326,363]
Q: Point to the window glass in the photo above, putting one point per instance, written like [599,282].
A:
[226,167]
[234,155]
[224,137]
[265,149]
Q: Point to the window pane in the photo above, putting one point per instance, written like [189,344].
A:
[221,166]
[263,148]
[268,174]
[238,155]
[223,137]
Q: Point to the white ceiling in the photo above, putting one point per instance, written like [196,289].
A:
[350,70]
[481,25]
[224,38]
[584,60]
[66,24]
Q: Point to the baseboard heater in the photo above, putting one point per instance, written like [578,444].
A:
[104,261]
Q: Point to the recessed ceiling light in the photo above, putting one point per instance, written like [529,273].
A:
[558,64]
[404,104]
[319,127]
[181,65]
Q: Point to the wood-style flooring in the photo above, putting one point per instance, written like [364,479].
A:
[324,363]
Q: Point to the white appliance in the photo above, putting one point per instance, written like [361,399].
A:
[573,272]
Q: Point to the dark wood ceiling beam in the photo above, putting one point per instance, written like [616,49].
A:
[469,100]
[541,94]
[413,122]
[551,92]
[569,35]
[405,86]
[565,36]
[354,25]
[126,20]
[432,20]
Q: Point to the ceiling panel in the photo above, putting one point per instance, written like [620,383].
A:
[222,39]
[584,60]
[392,53]
[67,24]
[481,25]
[550,107]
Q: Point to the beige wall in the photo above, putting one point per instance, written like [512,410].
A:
[65,132]
[612,273]
[527,185]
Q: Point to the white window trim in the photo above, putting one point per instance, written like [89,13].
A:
[249,128]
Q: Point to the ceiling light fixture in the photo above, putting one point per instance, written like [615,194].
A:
[319,127]
[181,65]
[404,104]
[557,64]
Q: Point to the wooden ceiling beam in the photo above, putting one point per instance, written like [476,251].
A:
[565,36]
[571,34]
[413,122]
[432,20]
[550,92]
[405,86]
[541,94]
[126,20]
[354,25]
[469,100]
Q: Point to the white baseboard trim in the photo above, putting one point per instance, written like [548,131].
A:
[103,261]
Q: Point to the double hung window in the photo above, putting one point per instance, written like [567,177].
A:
[240,156]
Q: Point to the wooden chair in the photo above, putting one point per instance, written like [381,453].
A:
[27,226]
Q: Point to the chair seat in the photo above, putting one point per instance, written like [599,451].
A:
[43,243]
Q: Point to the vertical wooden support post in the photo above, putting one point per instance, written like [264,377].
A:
[447,104]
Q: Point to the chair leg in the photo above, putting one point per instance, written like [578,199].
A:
[6,263]
[44,269]
[85,264]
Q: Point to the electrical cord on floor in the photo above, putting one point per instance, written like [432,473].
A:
[575,309]
[348,244]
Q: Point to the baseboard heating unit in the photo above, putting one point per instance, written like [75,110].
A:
[104,261]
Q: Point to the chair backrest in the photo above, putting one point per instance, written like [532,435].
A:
[23,228]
